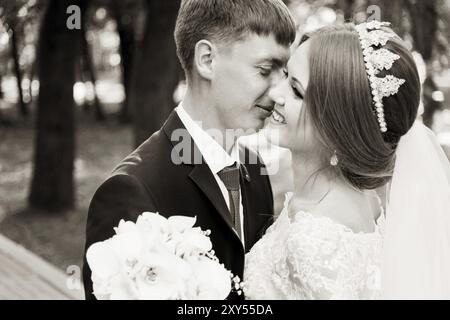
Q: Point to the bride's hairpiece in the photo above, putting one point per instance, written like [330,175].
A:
[372,35]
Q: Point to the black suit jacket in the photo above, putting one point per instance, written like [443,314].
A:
[156,178]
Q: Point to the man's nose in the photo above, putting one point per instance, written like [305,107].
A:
[276,92]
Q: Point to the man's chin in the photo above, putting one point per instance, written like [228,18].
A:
[251,127]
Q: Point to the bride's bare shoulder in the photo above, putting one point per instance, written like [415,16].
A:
[353,209]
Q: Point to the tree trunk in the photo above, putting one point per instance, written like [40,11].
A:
[2,120]
[125,29]
[31,75]
[424,17]
[347,7]
[126,52]
[52,186]
[155,70]
[391,11]
[424,32]
[89,69]
[23,109]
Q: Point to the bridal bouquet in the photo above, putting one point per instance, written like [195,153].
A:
[159,259]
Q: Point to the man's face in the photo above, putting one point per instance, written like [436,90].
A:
[244,73]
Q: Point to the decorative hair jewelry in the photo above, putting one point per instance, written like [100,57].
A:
[372,35]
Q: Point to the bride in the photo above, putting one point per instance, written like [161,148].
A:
[347,111]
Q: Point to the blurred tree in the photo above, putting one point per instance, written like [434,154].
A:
[88,67]
[2,118]
[392,11]
[52,186]
[127,17]
[424,26]
[347,7]
[18,73]
[125,13]
[424,30]
[11,14]
[87,73]
[19,18]
[155,70]
[443,34]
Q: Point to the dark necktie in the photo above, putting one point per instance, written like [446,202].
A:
[230,177]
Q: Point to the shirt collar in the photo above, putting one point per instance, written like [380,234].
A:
[213,153]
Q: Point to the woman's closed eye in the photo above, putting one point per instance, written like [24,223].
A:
[297,92]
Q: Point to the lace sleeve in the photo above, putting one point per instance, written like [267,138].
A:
[326,260]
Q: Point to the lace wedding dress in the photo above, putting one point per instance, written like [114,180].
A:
[305,256]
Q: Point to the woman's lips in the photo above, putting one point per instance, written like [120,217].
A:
[278,117]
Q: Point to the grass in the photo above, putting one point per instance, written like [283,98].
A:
[56,237]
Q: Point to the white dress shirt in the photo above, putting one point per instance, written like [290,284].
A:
[214,155]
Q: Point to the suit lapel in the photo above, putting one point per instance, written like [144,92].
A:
[201,175]
[250,183]
[247,208]
[204,179]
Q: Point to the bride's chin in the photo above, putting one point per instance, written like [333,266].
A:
[274,135]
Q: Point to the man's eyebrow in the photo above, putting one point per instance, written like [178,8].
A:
[274,61]
[279,62]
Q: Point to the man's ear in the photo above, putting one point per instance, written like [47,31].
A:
[203,59]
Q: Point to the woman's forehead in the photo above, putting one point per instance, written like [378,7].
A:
[298,65]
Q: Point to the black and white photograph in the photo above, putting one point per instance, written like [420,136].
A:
[225,150]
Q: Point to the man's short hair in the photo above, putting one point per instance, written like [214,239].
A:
[228,21]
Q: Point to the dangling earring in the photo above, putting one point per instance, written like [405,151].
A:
[334,160]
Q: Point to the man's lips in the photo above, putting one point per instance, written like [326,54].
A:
[269,109]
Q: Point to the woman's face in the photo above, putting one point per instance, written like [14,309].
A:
[290,126]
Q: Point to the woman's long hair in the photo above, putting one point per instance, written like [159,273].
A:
[339,102]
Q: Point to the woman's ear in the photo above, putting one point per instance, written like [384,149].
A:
[203,59]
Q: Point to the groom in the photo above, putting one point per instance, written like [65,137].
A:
[232,52]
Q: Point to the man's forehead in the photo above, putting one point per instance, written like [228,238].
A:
[263,49]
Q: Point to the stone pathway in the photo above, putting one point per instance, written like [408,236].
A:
[25,276]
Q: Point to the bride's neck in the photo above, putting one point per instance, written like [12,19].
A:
[313,180]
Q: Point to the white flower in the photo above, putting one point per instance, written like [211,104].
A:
[109,280]
[194,242]
[153,222]
[120,288]
[102,259]
[157,258]
[213,280]
[162,277]
[155,229]
[125,227]
[182,223]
